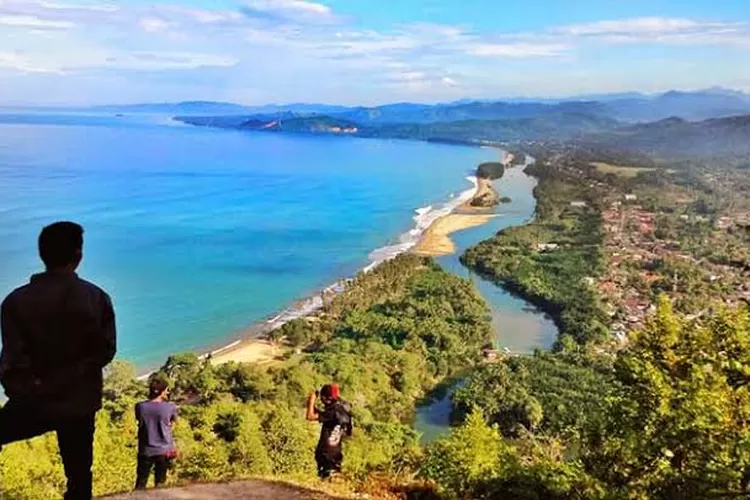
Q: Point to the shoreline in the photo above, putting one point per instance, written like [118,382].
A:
[436,241]
[433,223]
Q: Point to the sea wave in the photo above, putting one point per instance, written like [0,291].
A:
[424,218]
[305,307]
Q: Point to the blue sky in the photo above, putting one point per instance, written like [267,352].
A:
[62,52]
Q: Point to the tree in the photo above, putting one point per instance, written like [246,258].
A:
[121,389]
[473,452]
[682,428]
[191,378]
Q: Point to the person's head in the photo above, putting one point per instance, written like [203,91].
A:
[157,388]
[61,246]
[329,393]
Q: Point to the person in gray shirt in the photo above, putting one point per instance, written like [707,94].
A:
[156,448]
[58,334]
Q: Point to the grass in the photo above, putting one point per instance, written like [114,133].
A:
[620,170]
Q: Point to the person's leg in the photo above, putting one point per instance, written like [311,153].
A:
[19,421]
[75,436]
[336,463]
[325,465]
[143,471]
[320,464]
[161,465]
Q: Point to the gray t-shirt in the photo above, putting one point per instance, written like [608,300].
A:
[155,427]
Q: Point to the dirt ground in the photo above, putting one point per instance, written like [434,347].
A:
[249,490]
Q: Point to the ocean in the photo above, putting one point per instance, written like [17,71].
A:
[199,233]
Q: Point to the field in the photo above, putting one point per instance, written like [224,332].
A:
[620,170]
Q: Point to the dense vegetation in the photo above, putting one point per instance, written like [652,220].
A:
[555,394]
[665,417]
[391,336]
[667,420]
[491,170]
[548,260]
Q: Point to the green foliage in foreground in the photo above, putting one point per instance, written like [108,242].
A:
[391,336]
[476,462]
[672,423]
[682,428]
[666,417]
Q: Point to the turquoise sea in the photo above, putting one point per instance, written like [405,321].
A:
[199,233]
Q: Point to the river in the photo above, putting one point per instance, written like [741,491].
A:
[518,326]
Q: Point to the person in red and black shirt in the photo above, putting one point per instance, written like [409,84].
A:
[336,423]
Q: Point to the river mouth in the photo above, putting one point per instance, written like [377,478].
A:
[519,327]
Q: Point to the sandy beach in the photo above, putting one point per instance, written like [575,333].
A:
[247,351]
[436,239]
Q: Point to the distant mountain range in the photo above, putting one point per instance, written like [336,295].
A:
[709,122]
[585,123]
[628,107]
[219,108]
[675,137]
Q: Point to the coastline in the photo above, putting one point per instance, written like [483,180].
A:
[436,241]
[430,236]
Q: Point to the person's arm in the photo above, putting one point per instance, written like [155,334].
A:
[105,346]
[109,332]
[13,356]
[312,413]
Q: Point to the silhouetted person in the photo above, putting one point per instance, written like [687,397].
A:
[58,334]
[156,446]
[336,422]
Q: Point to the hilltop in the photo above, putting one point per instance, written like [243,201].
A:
[681,138]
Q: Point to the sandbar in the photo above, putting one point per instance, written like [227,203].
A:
[436,241]
[484,189]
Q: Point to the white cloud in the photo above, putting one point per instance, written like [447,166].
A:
[154,24]
[313,41]
[76,61]
[289,10]
[637,26]
[517,50]
[364,43]
[159,61]
[661,30]
[200,16]
[12,61]
[450,82]
[82,7]
[33,22]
